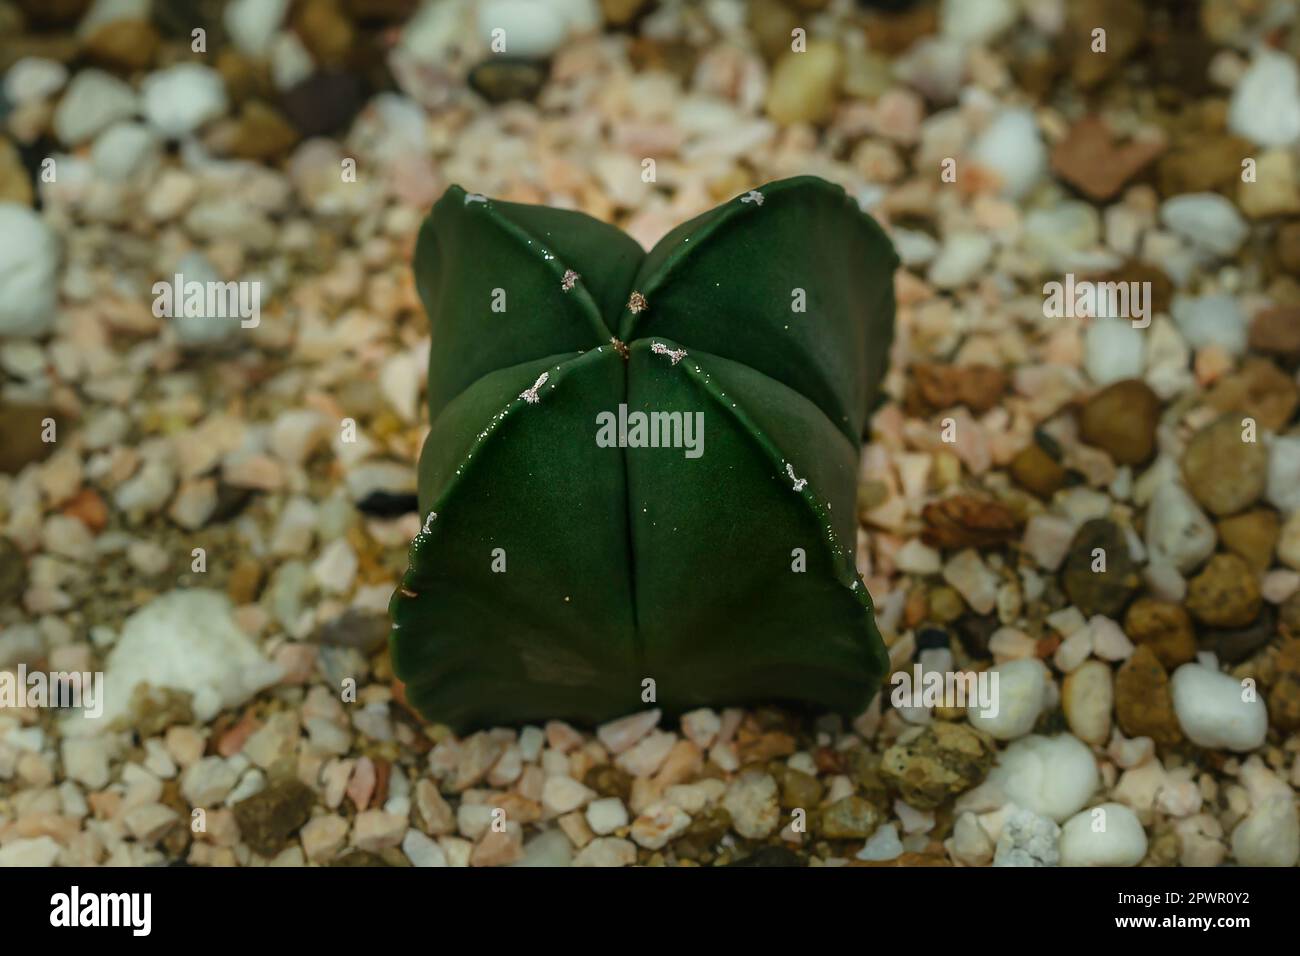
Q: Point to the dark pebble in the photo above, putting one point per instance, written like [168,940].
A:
[499,80]
[930,638]
[388,504]
[1234,646]
[323,103]
[365,631]
[771,856]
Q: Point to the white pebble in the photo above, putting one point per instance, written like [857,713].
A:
[1018,696]
[181,98]
[252,24]
[1052,776]
[29,263]
[1283,490]
[883,844]
[1269,835]
[34,78]
[93,101]
[1105,835]
[1178,533]
[1206,220]
[528,28]
[961,259]
[1011,148]
[1265,104]
[1212,711]
[1113,350]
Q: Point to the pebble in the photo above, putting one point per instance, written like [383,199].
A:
[561,795]
[1206,220]
[1208,320]
[1108,834]
[1121,420]
[532,29]
[620,735]
[1274,191]
[124,150]
[1105,591]
[1164,627]
[751,799]
[1223,472]
[1012,149]
[1252,536]
[970,576]
[93,101]
[1269,835]
[181,98]
[1028,839]
[1050,776]
[1225,593]
[1283,487]
[962,257]
[607,851]
[185,640]
[1021,695]
[29,263]
[942,761]
[1113,351]
[803,85]
[1144,705]
[1212,712]
[252,24]
[658,824]
[882,845]
[977,23]
[1265,104]
[32,78]
[606,815]
[1177,531]
[1087,696]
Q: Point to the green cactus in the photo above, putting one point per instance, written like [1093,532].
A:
[556,574]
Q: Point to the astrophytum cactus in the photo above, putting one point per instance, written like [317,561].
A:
[640,477]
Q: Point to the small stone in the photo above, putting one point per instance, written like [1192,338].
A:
[29,263]
[935,387]
[322,837]
[620,735]
[1265,105]
[1273,192]
[850,818]
[1020,697]
[1206,220]
[607,851]
[268,819]
[1027,840]
[751,799]
[1100,544]
[125,45]
[971,577]
[803,85]
[32,79]
[968,521]
[1163,627]
[182,98]
[1053,777]
[1144,706]
[1252,536]
[1213,710]
[961,258]
[1259,390]
[501,79]
[1284,692]
[15,183]
[1109,834]
[1037,471]
[1215,319]
[659,824]
[374,830]
[1276,331]
[562,795]
[1288,542]
[1011,150]
[1087,695]
[150,822]
[1121,420]
[1114,350]
[1091,159]
[1269,835]
[93,101]
[1223,472]
[1225,593]
[606,815]
[944,760]
[1178,533]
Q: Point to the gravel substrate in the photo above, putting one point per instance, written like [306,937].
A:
[1099,509]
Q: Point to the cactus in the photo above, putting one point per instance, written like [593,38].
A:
[560,575]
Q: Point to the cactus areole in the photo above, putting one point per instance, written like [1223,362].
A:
[639,483]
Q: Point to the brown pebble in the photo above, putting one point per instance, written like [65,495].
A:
[123,45]
[1284,694]
[968,521]
[1259,390]
[1037,471]
[1225,593]
[1225,473]
[1143,704]
[1121,420]
[1276,331]
[1165,628]
[1091,159]
[938,387]
[1252,535]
